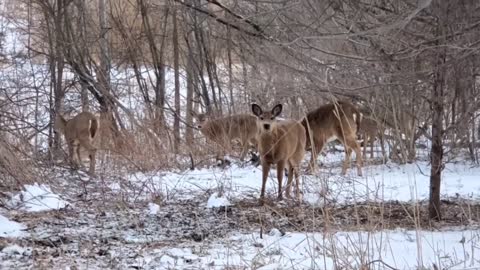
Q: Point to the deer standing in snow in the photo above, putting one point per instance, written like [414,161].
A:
[334,121]
[224,130]
[369,130]
[281,143]
[79,133]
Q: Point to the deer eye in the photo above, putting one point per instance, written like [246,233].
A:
[261,117]
[273,118]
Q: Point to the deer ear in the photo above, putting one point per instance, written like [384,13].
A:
[277,110]
[256,110]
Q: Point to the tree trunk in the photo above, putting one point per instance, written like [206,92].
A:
[200,60]
[80,5]
[190,90]
[231,108]
[56,72]
[436,152]
[159,67]
[176,119]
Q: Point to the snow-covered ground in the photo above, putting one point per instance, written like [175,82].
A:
[399,249]
[404,183]
[157,245]
[10,228]
[36,198]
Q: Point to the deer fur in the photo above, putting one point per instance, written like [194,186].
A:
[223,130]
[281,143]
[79,133]
[369,130]
[334,121]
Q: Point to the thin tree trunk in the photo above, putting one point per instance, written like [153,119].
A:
[190,90]
[80,4]
[436,152]
[231,108]
[56,69]
[200,60]
[176,119]
[159,67]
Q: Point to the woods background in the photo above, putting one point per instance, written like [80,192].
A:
[144,66]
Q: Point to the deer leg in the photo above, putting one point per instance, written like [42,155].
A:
[317,148]
[91,154]
[346,161]
[79,156]
[382,145]
[245,146]
[289,181]
[280,168]
[265,171]
[372,141]
[352,144]
[364,137]
[92,157]
[297,183]
[71,155]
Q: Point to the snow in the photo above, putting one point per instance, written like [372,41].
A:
[10,228]
[402,183]
[217,201]
[36,198]
[16,250]
[400,249]
[153,208]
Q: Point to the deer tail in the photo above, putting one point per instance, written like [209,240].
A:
[94,126]
[358,116]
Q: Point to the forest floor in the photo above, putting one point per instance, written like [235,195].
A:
[210,218]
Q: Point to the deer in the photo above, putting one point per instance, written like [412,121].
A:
[79,133]
[223,130]
[281,143]
[369,130]
[330,122]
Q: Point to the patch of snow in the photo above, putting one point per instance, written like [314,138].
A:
[10,228]
[38,198]
[216,201]
[403,183]
[153,208]
[16,250]
[399,249]
[275,232]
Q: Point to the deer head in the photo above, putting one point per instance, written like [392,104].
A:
[266,121]
[60,124]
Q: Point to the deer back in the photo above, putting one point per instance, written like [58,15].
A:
[83,125]
[241,126]
[330,121]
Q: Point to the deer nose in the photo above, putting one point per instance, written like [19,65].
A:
[266,126]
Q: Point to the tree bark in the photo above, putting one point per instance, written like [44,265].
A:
[159,67]
[437,99]
[176,119]
[190,90]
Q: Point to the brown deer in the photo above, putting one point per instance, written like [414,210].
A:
[369,130]
[79,133]
[334,121]
[223,130]
[281,143]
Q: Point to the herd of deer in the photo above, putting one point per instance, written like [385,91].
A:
[279,142]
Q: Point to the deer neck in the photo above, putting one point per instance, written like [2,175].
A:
[269,138]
